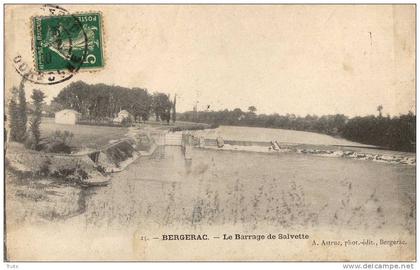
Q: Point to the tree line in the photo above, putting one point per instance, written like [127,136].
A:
[94,102]
[396,133]
[101,101]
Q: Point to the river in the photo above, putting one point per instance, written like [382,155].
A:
[281,135]
[247,192]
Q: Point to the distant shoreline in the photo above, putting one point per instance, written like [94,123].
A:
[396,133]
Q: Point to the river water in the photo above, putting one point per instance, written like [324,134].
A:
[255,189]
[270,134]
[251,192]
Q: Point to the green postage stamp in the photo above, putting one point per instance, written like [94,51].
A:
[68,42]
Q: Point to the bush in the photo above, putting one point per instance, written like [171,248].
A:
[58,142]
[127,122]
[30,141]
[57,147]
[64,137]
[44,169]
[73,173]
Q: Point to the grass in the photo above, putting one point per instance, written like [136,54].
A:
[182,125]
[93,136]
[85,136]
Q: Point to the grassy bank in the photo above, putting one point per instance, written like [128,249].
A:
[85,136]
[179,125]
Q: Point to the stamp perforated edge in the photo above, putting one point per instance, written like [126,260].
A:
[101,37]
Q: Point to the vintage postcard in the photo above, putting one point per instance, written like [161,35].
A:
[210,132]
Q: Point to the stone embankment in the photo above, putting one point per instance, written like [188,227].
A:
[87,167]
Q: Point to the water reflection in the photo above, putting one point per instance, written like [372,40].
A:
[218,187]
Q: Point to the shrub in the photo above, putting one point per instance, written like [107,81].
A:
[44,169]
[71,172]
[59,142]
[64,137]
[57,147]
[30,141]
[127,122]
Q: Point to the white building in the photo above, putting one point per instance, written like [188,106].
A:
[68,117]
[123,115]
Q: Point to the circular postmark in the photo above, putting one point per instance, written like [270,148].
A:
[54,42]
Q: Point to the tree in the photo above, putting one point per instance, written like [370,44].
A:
[139,104]
[14,116]
[174,110]
[238,114]
[21,109]
[162,106]
[251,116]
[34,133]
[396,133]
[101,101]
[379,109]
[55,107]
[75,96]
[252,109]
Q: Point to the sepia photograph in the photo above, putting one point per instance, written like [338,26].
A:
[210,133]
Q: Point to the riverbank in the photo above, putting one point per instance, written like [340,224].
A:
[390,158]
[261,140]
[85,168]
[396,133]
[241,192]
[161,186]
[42,187]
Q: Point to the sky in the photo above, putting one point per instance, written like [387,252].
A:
[282,59]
